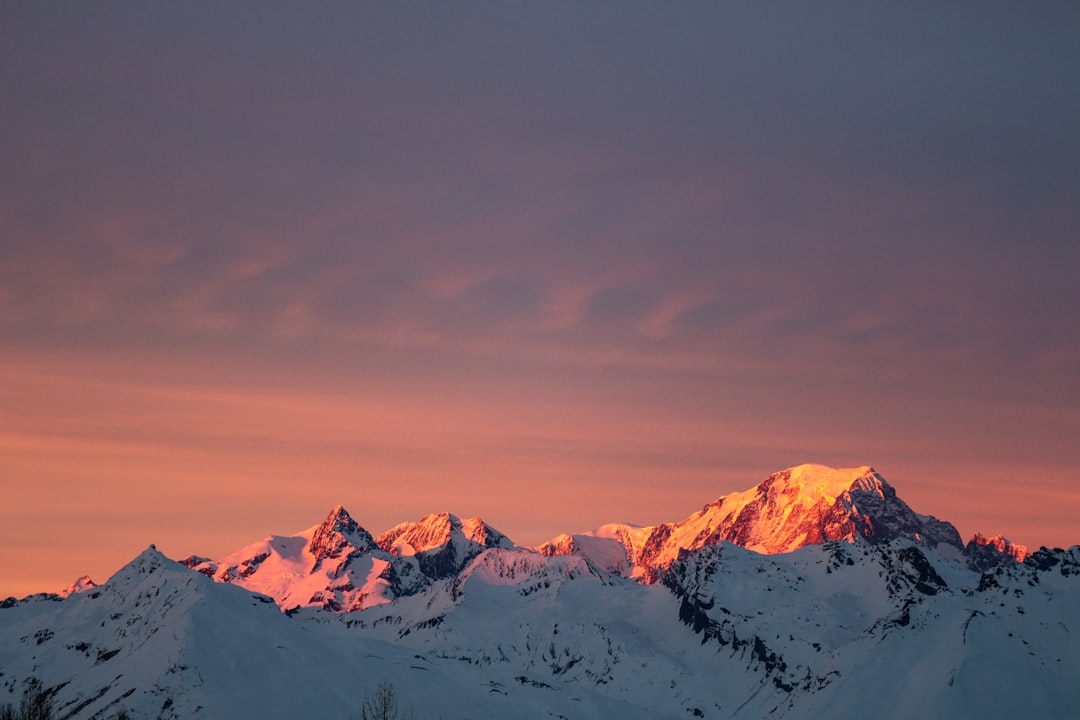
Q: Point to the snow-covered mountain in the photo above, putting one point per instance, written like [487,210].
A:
[335,565]
[81,584]
[984,553]
[804,505]
[861,605]
[339,566]
[442,544]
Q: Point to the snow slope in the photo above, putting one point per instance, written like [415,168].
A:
[803,505]
[335,565]
[442,543]
[828,630]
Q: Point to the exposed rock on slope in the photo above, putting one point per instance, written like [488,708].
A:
[335,565]
[804,505]
[983,553]
[442,543]
[875,608]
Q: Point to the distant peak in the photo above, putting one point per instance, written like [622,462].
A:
[989,547]
[148,562]
[337,532]
[150,553]
[559,545]
[480,532]
[339,520]
[815,482]
[824,474]
[439,530]
[442,519]
[81,584]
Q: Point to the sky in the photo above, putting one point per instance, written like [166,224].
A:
[552,264]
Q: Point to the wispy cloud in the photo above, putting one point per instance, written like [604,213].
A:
[487,253]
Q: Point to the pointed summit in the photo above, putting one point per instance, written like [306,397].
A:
[81,584]
[803,505]
[149,562]
[436,530]
[442,543]
[337,532]
[809,504]
[340,520]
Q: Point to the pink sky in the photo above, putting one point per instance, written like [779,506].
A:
[553,267]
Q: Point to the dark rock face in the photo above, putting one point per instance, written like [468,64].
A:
[880,516]
[488,537]
[439,563]
[1067,562]
[402,578]
[249,566]
[338,532]
[651,549]
[984,553]
[441,543]
[562,545]
[781,516]
[917,570]
[805,505]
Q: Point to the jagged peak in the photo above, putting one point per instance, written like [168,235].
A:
[410,537]
[804,504]
[339,520]
[81,584]
[563,544]
[441,520]
[193,561]
[481,533]
[437,529]
[999,544]
[336,532]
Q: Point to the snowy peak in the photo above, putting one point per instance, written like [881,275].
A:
[339,565]
[808,505]
[436,530]
[1002,545]
[81,584]
[811,483]
[430,532]
[803,505]
[559,545]
[615,547]
[149,562]
[483,534]
[810,486]
[442,543]
[337,532]
[335,565]
[984,553]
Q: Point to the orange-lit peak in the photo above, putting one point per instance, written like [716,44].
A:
[815,482]
[1001,545]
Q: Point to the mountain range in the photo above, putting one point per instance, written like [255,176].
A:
[818,592]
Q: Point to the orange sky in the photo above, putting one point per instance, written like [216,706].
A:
[118,461]
[551,266]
